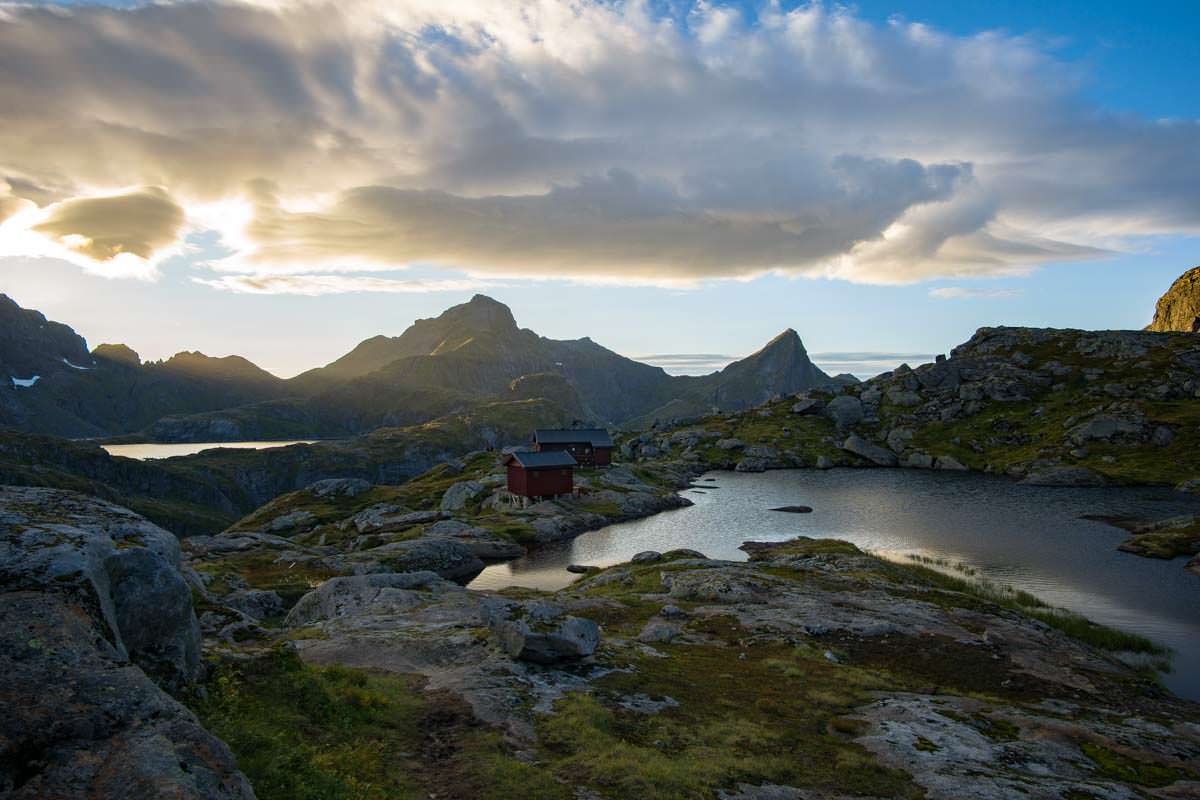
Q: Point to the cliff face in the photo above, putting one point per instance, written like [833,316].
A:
[1179,309]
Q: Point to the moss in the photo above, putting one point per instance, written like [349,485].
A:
[306,733]
[926,746]
[1116,766]
[764,712]
[805,546]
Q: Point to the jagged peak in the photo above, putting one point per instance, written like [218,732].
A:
[789,338]
[481,313]
[121,353]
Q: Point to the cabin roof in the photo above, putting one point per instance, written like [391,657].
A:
[545,460]
[596,437]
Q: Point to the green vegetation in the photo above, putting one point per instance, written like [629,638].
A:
[307,733]
[1074,625]
[1122,768]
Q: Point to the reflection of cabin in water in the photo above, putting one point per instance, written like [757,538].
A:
[590,447]
[540,475]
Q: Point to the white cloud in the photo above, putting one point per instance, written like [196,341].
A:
[316,285]
[969,293]
[576,139]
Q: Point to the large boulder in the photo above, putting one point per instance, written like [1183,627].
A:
[121,568]
[94,611]
[79,721]
[451,559]
[846,411]
[871,452]
[379,593]
[540,632]
[461,493]
[1179,308]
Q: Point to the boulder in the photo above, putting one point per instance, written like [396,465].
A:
[482,542]
[378,593]
[730,444]
[846,411]
[751,465]
[898,439]
[950,463]
[122,569]
[646,557]
[79,721]
[872,452]
[340,487]
[540,632]
[461,493]
[292,521]
[450,559]
[809,405]
[257,604]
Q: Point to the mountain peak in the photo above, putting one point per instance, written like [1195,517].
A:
[481,314]
[788,340]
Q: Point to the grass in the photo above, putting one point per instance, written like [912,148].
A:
[766,717]
[1115,766]
[1074,625]
[307,733]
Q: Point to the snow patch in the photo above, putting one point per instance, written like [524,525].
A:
[25,383]
[74,366]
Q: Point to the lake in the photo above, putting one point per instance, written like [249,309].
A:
[147,451]
[1028,537]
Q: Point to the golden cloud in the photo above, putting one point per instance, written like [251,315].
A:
[140,223]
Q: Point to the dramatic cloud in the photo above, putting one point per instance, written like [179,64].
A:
[140,223]
[568,139]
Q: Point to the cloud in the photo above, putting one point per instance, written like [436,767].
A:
[138,223]
[576,139]
[966,293]
[317,285]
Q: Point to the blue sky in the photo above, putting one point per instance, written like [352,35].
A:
[865,227]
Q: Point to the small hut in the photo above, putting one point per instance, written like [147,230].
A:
[540,475]
[590,447]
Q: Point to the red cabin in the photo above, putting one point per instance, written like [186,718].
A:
[590,447]
[540,475]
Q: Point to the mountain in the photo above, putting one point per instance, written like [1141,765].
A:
[471,354]
[1179,309]
[50,383]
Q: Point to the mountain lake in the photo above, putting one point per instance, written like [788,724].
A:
[1027,537]
[150,451]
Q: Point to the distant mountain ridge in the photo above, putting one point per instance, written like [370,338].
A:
[470,354]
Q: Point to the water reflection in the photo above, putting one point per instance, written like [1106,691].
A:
[1028,537]
[145,451]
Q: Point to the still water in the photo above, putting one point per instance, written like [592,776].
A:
[144,451]
[1028,537]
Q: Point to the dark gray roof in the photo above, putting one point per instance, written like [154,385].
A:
[546,460]
[596,437]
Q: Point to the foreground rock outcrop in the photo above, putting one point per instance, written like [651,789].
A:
[93,604]
[813,670]
[1179,308]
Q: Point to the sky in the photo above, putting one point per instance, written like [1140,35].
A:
[680,181]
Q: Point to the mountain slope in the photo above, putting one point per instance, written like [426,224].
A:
[1179,309]
[50,383]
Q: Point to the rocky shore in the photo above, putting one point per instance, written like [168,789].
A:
[812,670]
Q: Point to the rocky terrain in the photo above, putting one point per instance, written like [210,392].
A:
[96,623]
[327,640]
[1048,407]
[1179,308]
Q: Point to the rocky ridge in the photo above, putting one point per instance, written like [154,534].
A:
[96,620]
[1179,309]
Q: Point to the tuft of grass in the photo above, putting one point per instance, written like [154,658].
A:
[301,732]
[1116,766]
